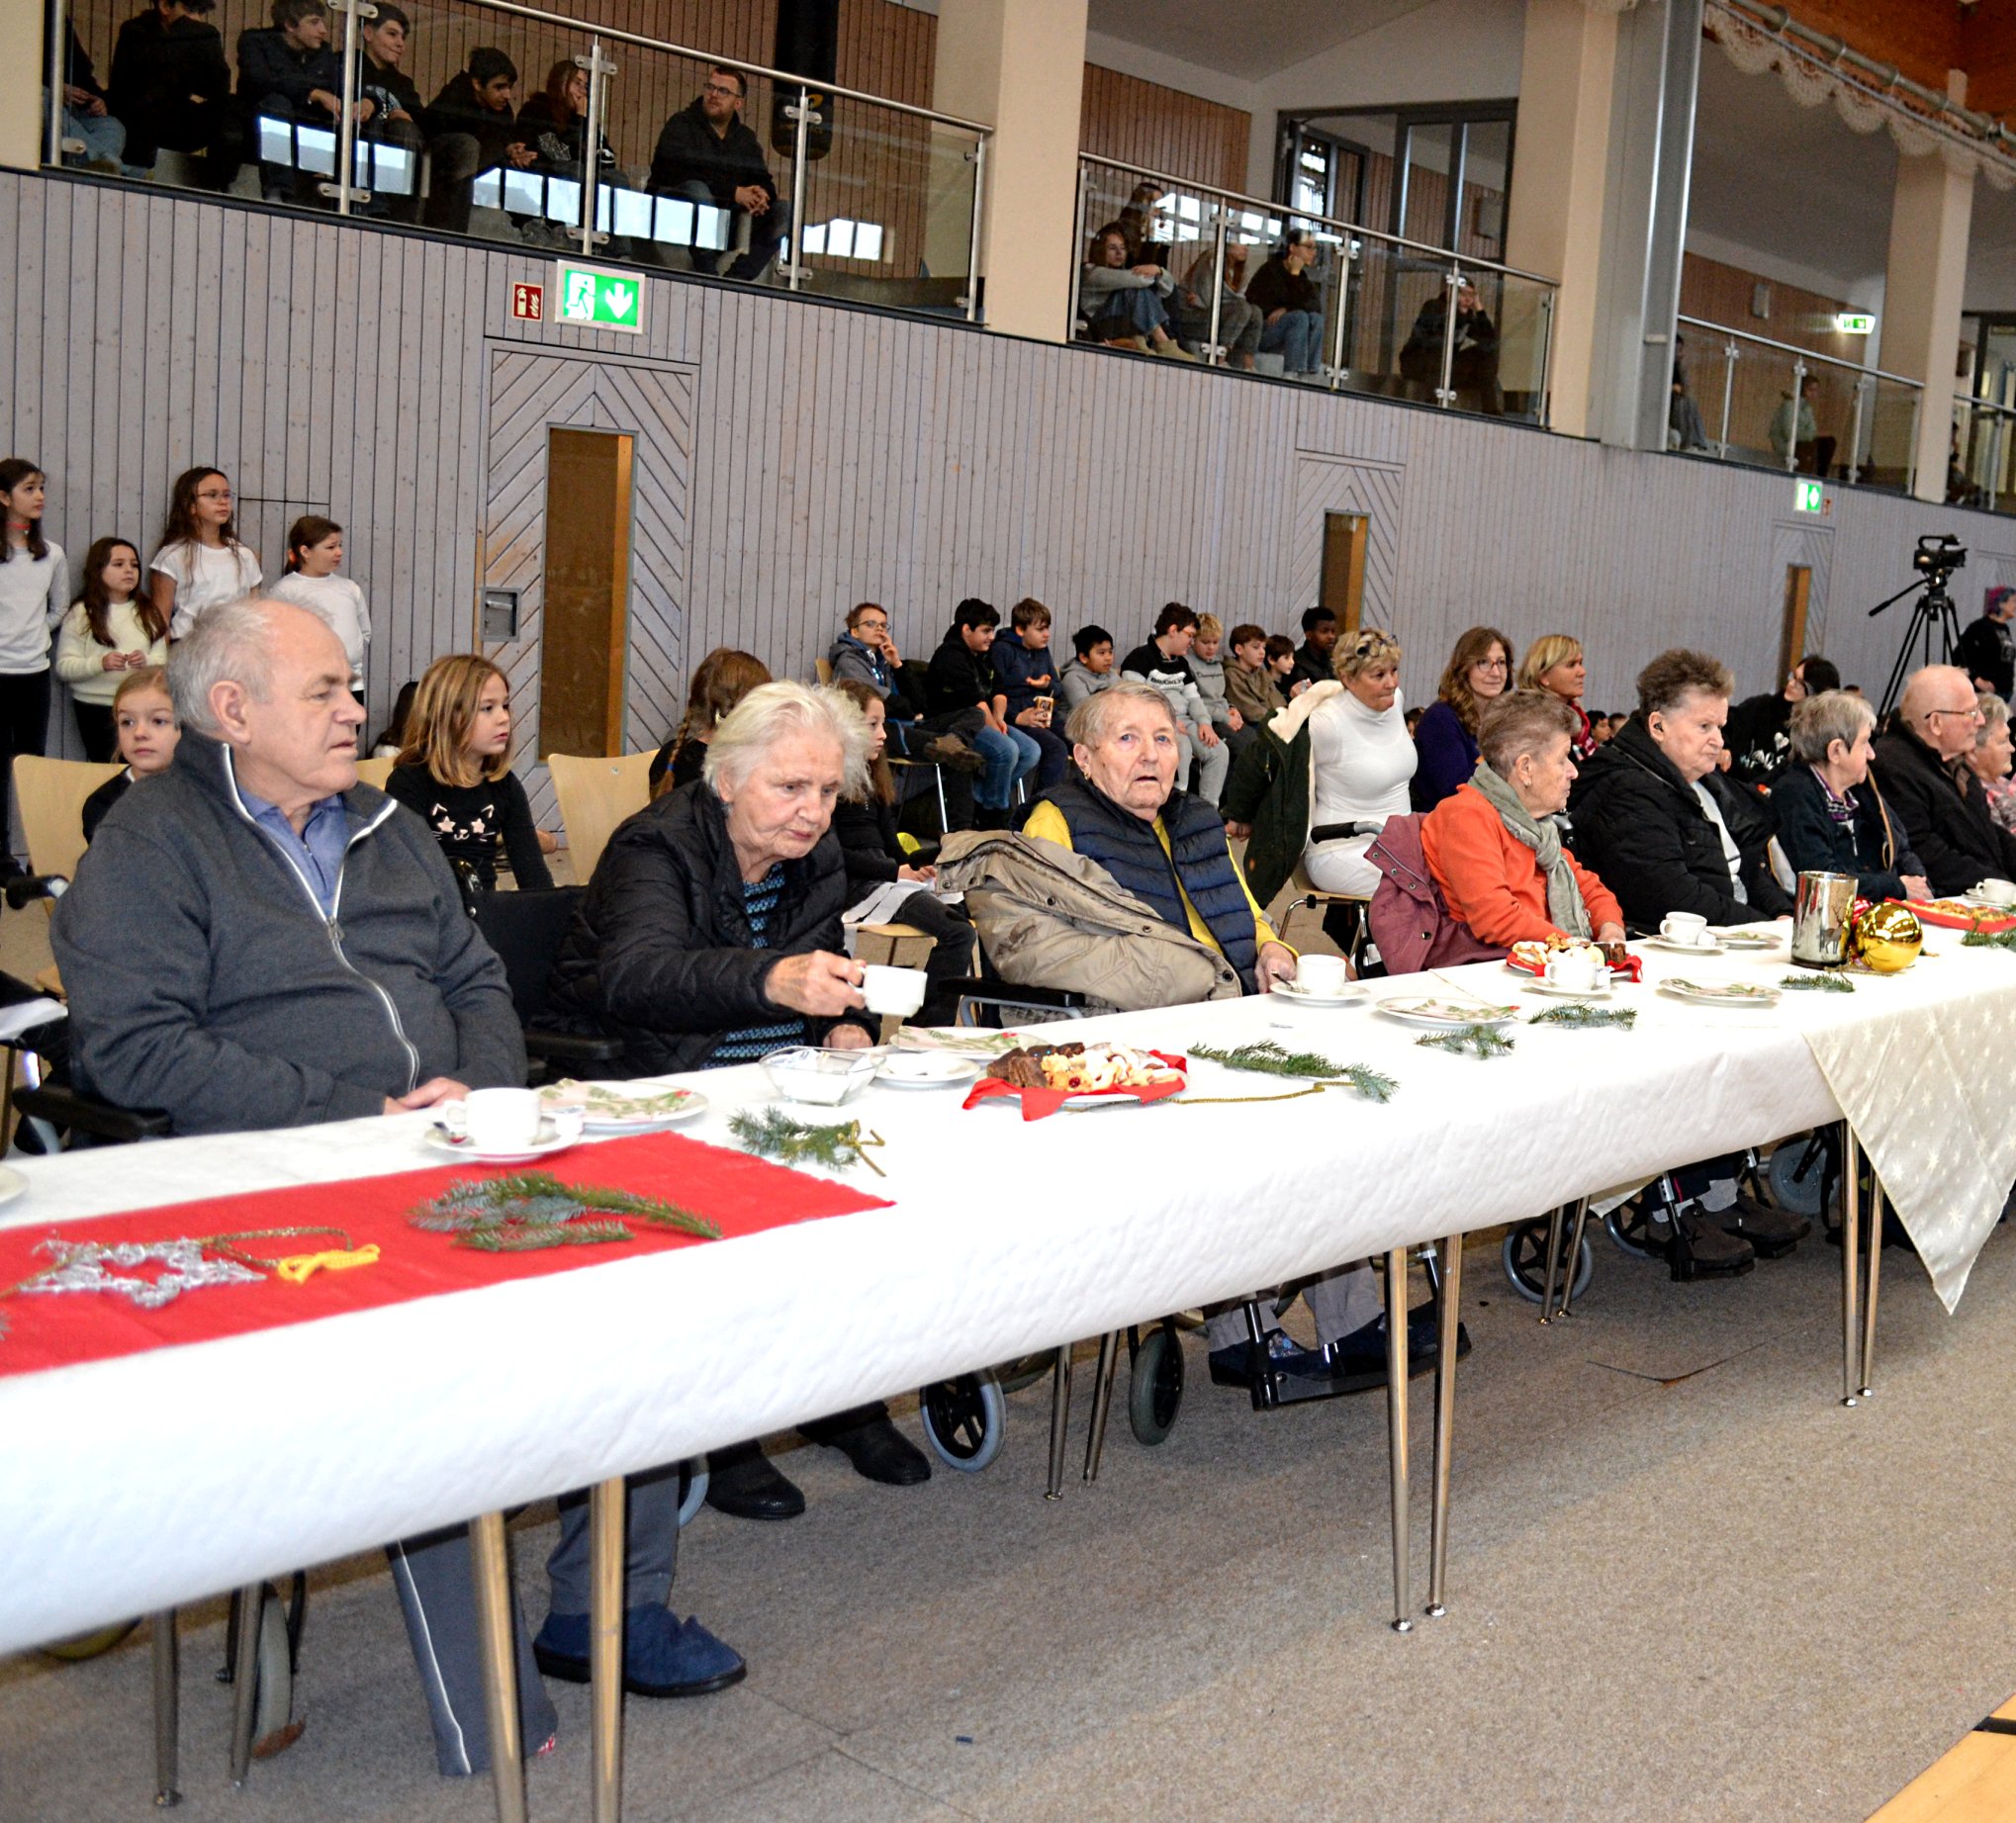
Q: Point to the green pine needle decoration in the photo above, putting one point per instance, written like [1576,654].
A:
[1267,1058]
[1981,940]
[523,1211]
[770,1132]
[1473,1041]
[1816,983]
[1580,1016]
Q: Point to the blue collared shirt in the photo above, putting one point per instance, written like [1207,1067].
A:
[318,851]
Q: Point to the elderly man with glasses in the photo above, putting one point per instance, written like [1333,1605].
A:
[1922,766]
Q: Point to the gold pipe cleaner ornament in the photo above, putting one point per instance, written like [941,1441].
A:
[524,1210]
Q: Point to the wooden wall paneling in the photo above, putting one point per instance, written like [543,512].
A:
[1135,122]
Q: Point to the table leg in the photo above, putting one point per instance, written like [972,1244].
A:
[1574,1262]
[605,1645]
[1102,1398]
[1396,1427]
[246,1689]
[1448,1315]
[1876,1259]
[490,1566]
[167,1710]
[1851,1267]
[1060,1423]
[1553,1265]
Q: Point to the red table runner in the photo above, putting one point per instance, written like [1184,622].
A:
[739,1194]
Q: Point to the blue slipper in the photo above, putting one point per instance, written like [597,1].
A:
[663,1656]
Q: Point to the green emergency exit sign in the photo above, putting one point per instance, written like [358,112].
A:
[593,300]
[1810,496]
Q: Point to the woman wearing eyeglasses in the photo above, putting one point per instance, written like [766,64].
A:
[1480,669]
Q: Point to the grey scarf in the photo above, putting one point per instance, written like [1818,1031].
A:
[1564,894]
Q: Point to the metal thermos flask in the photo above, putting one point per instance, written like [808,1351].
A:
[1820,920]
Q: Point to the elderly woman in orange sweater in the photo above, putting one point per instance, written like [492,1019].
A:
[1494,847]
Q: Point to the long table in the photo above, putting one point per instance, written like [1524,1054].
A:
[136,1484]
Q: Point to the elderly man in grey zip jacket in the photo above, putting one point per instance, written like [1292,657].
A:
[255,939]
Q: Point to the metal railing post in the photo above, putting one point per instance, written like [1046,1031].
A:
[977,158]
[1336,372]
[1911,474]
[347,127]
[802,121]
[1452,282]
[56,68]
[1546,360]
[1791,442]
[599,70]
[2000,469]
[1077,249]
[1212,352]
[1862,384]
[1730,355]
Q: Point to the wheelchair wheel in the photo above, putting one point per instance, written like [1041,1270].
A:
[1640,1228]
[1795,1194]
[274,1728]
[90,1645]
[965,1420]
[1155,1384]
[1526,1259]
[695,1495]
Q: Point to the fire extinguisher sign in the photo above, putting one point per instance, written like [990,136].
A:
[528,303]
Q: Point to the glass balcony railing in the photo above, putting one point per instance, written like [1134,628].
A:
[1982,469]
[507,124]
[1191,272]
[1746,399]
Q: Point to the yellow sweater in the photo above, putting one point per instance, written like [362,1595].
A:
[1046,823]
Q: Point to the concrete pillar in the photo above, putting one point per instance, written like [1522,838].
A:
[1931,213]
[1018,65]
[1555,221]
[21,83]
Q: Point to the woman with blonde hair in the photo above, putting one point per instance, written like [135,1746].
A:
[1554,664]
[455,773]
[1479,672]
[720,680]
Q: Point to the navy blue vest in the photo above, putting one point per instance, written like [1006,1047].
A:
[1127,848]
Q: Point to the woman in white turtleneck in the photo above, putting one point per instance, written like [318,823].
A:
[1361,759]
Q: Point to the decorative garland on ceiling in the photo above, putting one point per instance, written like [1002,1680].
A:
[1864,105]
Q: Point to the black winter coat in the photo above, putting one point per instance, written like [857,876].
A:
[867,832]
[459,109]
[1874,847]
[268,66]
[690,152]
[1987,649]
[1945,818]
[1642,830]
[156,70]
[960,677]
[660,954]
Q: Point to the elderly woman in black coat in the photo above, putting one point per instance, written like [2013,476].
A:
[710,935]
[1831,818]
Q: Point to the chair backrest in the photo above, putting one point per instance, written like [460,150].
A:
[525,930]
[51,795]
[595,795]
[822,669]
[375,772]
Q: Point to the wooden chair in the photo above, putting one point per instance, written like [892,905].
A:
[822,669]
[51,795]
[375,772]
[595,795]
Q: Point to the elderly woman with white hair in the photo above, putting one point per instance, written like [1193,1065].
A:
[711,935]
[1989,760]
[1831,817]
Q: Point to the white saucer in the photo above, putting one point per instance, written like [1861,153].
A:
[1747,940]
[443,1142]
[1300,996]
[1539,985]
[922,1069]
[609,1122]
[1444,1015]
[1709,993]
[1683,949]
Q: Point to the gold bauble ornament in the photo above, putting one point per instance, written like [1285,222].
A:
[1888,937]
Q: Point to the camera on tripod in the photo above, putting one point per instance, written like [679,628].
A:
[1938,556]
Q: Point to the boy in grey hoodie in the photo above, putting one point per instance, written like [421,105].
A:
[1091,671]
[1206,666]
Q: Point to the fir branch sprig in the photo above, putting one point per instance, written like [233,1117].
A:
[1475,1040]
[1981,940]
[1267,1058]
[770,1132]
[1818,983]
[526,1210]
[1580,1016]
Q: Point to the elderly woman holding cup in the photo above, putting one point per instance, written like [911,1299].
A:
[1831,818]
[1495,846]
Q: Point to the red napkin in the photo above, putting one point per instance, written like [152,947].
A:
[1037,1103]
[1631,968]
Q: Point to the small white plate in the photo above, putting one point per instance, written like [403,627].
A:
[443,1140]
[1711,948]
[12,1183]
[1718,993]
[1539,985]
[1300,996]
[609,1118]
[1446,1015]
[924,1069]
[1747,940]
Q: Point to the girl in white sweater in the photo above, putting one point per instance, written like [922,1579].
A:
[35,587]
[201,563]
[314,553]
[110,629]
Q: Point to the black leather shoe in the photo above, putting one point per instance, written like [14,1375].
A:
[745,1483]
[878,1452]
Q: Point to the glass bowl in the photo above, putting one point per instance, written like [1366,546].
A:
[820,1077]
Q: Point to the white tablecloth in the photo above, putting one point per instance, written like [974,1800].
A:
[160,1478]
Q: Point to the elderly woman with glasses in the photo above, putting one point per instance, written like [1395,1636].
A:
[1554,664]
[1989,760]
[1480,669]
[1831,818]
[1931,789]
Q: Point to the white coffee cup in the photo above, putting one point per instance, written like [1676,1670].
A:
[892,990]
[502,1119]
[1997,891]
[1689,928]
[1576,970]
[1324,975]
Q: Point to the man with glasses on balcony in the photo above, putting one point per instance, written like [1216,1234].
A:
[706,155]
[1922,769]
